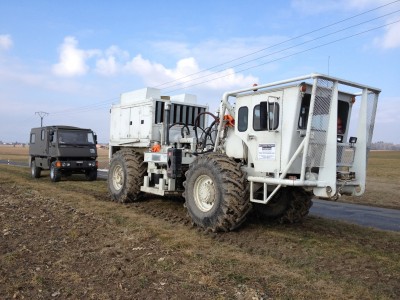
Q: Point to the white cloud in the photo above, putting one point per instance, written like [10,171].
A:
[72,59]
[108,64]
[213,51]
[154,74]
[5,42]
[391,37]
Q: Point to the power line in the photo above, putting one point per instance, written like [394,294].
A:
[79,110]
[293,54]
[282,50]
[103,104]
[288,40]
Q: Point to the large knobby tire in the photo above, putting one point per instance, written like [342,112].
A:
[35,171]
[55,174]
[125,176]
[216,193]
[289,205]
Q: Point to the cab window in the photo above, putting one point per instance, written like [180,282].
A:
[266,116]
[304,109]
[343,113]
[243,118]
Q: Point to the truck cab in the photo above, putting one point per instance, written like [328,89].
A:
[64,150]
[312,131]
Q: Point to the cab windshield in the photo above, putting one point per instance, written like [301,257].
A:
[321,118]
[75,137]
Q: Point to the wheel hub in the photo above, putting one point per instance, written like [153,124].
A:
[204,193]
[118,177]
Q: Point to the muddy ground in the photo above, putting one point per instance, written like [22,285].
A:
[67,241]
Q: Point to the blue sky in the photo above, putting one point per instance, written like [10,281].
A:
[73,59]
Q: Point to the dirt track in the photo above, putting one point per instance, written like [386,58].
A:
[66,241]
[58,250]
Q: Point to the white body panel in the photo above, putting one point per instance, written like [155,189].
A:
[138,120]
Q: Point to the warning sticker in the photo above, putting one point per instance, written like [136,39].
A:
[266,151]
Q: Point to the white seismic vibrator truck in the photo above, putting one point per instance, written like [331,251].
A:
[270,148]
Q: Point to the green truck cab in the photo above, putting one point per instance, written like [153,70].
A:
[64,150]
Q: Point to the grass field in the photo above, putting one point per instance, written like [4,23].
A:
[383,181]
[20,154]
[383,175]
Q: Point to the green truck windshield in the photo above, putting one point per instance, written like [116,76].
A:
[75,137]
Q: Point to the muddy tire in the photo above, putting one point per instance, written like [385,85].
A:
[216,193]
[91,175]
[35,171]
[125,176]
[289,205]
[55,174]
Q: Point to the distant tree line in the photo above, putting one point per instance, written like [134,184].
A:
[384,146]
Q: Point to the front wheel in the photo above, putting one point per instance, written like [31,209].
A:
[55,174]
[216,193]
[125,176]
[35,171]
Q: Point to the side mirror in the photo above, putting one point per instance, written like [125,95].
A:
[95,138]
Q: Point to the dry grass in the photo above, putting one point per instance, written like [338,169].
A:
[17,153]
[383,181]
[21,154]
[85,247]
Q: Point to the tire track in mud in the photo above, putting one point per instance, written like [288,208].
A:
[173,211]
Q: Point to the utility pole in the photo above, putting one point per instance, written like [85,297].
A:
[41,114]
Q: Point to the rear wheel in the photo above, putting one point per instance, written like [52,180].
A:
[289,205]
[35,171]
[216,193]
[55,174]
[125,176]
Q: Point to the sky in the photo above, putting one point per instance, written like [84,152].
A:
[72,59]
